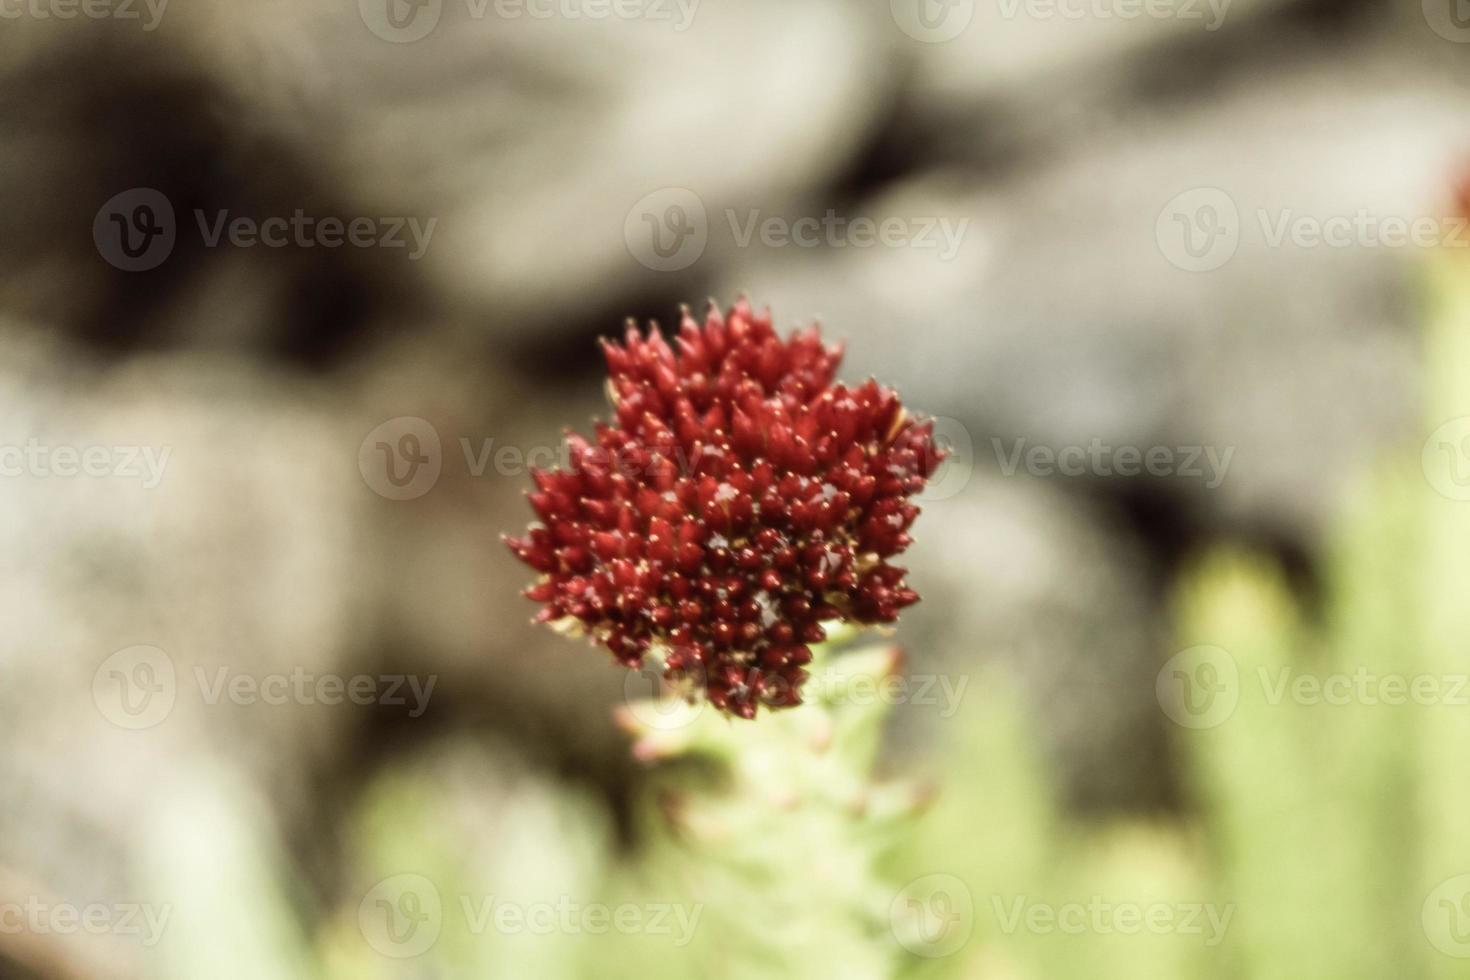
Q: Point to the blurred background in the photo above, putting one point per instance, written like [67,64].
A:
[293,293]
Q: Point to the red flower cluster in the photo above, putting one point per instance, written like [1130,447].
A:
[739,500]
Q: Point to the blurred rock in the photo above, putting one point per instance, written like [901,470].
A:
[1019,575]
[102,112]
[1061,318]
[171,529]
[201,575]
[530,140]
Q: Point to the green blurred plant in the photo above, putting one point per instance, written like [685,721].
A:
[776,827]
[1329,821]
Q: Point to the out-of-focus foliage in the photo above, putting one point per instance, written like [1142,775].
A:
[776,828]
[1328,821]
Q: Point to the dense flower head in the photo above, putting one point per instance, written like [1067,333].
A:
[738,499]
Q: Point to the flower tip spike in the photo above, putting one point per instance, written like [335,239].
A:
[751,502]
